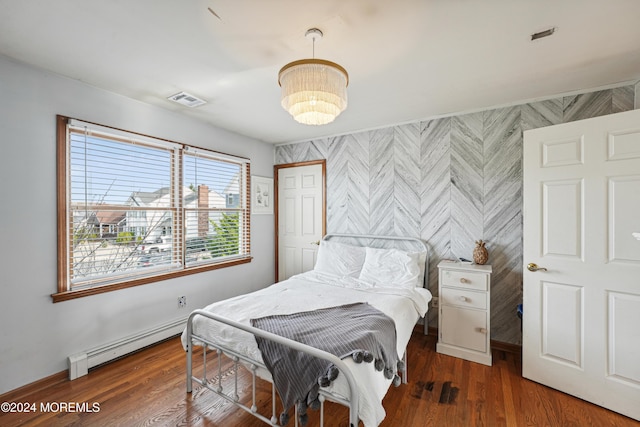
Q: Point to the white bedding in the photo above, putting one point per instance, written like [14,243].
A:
[314,290]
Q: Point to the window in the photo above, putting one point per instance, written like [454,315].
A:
[134,209]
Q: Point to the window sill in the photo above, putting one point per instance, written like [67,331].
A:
[80,293]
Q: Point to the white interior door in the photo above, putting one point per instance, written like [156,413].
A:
[300,217]
[581,210]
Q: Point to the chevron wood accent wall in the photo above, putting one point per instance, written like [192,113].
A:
[467,204]
[406,181]
[451,181]
[381,181]
[502,215]
[435,195]
[348,205]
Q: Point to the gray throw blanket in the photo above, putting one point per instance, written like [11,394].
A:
[356,330]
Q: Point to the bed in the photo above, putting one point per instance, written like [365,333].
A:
[385,274]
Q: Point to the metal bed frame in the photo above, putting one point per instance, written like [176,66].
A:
[253,365]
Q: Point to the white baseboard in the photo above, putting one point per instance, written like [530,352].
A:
[80,363]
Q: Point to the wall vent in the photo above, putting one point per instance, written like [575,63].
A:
[187,99]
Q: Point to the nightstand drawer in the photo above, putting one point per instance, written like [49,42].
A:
[462,298]
[465,279]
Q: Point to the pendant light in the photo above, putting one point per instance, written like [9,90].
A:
[314,91]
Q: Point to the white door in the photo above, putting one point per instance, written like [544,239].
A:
[300,217]
[581,209]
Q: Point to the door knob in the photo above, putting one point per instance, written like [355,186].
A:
[317,242]
[532,266]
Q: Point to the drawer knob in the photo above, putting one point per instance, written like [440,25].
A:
[463,280]
[464,299]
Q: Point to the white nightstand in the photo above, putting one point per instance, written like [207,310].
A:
[464,312]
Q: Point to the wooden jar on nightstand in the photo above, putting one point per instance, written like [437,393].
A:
[464,311]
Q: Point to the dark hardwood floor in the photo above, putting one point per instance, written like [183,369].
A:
[148,389]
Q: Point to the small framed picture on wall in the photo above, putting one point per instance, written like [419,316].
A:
[261,195]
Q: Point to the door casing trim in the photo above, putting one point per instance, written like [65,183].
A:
[276,169]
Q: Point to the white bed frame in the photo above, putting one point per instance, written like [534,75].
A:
[253,365]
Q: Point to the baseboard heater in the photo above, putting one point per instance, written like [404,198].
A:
[80,363]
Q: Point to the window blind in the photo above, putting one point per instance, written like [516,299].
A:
[215,206]
[143,207]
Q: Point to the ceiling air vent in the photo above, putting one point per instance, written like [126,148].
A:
[542,34]
[187,100]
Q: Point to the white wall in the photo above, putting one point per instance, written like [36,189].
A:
[36,335]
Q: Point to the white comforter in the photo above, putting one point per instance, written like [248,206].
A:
[314,290]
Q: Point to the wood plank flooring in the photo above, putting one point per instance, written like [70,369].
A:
[148,389]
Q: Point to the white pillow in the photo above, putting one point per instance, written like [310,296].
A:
[340,259]
[422,263]
[391,268]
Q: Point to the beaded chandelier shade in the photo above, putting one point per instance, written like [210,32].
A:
[314,91]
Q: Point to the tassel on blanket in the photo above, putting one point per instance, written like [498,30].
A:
[303,417]
[284,418]
[330,376]
[360,356]
[313,398]
[396,380]
[312,401]
[332,373]
[389,373]
[323,381]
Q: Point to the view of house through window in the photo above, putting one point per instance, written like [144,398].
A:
[139,207]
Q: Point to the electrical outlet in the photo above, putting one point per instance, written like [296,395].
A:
[182,302]
[434,302]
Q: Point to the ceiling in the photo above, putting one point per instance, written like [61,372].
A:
[407,59]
